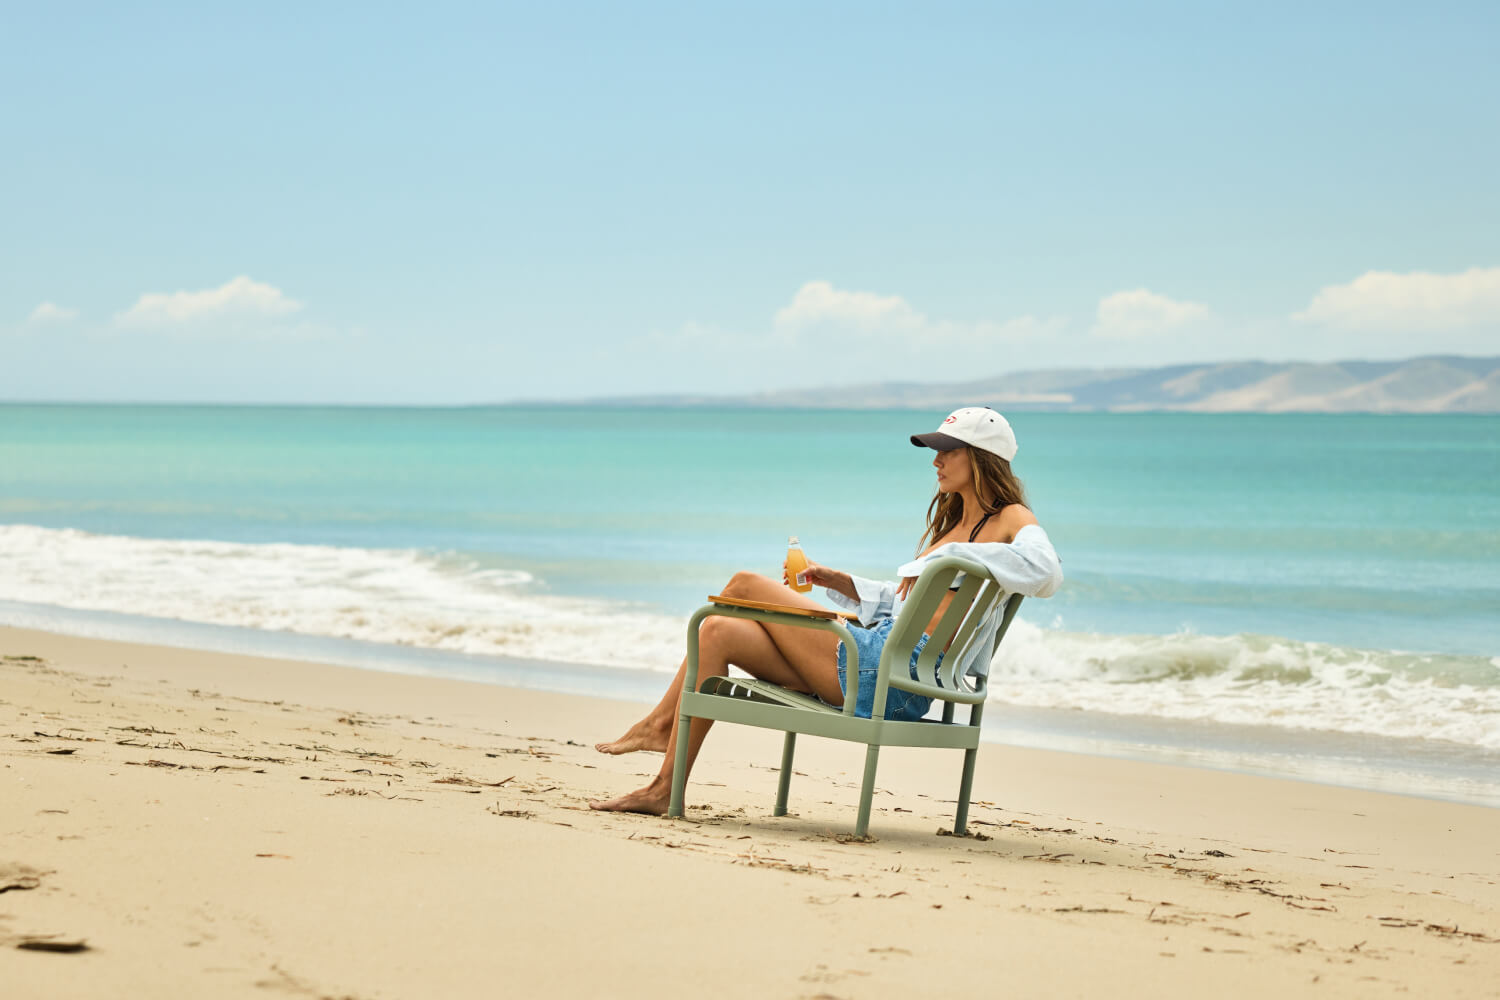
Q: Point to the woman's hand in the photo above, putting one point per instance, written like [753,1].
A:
[816,574]
[822,576]
[904,587]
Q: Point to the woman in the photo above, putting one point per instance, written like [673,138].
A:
[980,506]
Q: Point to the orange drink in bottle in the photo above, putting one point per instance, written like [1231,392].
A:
[796,567]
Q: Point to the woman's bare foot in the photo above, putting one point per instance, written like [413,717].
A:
[648,734]
[652,800]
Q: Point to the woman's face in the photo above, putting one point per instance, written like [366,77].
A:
[953,470]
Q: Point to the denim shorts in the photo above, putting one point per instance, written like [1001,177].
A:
[900,706]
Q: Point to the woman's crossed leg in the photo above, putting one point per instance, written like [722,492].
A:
[796,658]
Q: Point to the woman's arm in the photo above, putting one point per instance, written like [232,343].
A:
[869,599]
[835,580]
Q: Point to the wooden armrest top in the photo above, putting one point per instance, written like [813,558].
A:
[736,602]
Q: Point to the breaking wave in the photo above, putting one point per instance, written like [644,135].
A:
[452,602]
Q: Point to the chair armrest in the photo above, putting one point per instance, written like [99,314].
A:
[791,609]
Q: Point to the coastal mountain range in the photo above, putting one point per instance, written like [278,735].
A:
[1436,384]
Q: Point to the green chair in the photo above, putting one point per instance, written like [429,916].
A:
[760,703]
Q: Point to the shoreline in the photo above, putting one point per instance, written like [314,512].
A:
[1429,769]
[220,823]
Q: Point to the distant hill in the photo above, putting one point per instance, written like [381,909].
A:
[1442,384]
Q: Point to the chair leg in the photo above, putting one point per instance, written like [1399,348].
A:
[784,783]
[867,791]
[961,819]
[679,766]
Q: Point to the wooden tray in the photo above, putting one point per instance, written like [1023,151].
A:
[736,602]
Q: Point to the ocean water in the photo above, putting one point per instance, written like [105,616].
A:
[1314,595]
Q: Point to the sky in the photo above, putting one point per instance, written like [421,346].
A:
[472,203]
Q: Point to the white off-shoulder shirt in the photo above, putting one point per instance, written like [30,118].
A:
[1027,566]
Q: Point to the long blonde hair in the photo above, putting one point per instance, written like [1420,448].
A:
[995,487]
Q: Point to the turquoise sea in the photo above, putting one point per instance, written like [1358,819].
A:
[1312,595]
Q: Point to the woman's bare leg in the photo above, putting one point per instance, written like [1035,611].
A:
[651,733]
[654,731]
[750,646]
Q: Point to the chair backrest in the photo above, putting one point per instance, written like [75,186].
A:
[962,624]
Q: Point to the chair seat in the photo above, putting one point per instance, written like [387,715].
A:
[769,706]
[759,690]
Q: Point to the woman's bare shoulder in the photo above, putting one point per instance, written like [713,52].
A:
[1004,526]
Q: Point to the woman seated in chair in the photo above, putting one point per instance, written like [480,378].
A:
[979,500]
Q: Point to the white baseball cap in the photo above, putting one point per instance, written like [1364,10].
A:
[977,426]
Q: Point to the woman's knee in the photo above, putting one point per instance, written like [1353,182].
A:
[745,583]
[719,634]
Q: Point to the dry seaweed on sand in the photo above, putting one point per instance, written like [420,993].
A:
[14,875]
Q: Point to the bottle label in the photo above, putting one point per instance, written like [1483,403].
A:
[802,579]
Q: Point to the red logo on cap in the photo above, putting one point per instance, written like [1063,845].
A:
[951,420]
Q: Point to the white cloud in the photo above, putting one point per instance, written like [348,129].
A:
[239,298]
[1141,313]
[819,306]
[1412,303]
[51,312]
[818,302]
[827,335]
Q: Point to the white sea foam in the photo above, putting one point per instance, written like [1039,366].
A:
[377,595]
[1253,680]
[450,603]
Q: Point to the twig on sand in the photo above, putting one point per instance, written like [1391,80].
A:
[459,779]
[164,763]
[48,944]
[1442,930]
[1084,909]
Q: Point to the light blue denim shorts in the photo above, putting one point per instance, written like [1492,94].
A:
[900,706]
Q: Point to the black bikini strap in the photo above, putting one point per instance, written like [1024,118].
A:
[975,533]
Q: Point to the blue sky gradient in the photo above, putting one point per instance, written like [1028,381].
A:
[469,203]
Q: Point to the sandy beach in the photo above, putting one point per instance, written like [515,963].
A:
[178,823]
